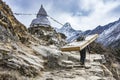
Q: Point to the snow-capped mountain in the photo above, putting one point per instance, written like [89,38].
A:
[68,30]
[100,29]
[109,35]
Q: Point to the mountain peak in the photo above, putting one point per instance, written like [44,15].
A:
[67,26]
[68,30]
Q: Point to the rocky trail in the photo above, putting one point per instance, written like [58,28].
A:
[94,70]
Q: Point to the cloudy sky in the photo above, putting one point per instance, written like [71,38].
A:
[81,14]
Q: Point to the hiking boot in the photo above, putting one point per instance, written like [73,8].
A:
[81,63]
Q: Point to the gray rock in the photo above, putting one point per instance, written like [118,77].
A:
[49,79]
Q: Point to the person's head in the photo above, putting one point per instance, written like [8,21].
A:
[81,38]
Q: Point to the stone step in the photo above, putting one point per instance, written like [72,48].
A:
[66,62]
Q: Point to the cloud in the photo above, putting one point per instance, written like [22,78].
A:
[99,15]
[82,14]
[115,11]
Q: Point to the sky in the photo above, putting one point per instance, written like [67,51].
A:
[81,14]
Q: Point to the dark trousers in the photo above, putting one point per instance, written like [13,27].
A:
[83,56]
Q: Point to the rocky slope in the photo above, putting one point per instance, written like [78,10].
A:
[16,57]
[10,26]
[48,35]
[22,55]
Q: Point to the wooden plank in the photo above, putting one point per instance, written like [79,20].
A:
[77,46]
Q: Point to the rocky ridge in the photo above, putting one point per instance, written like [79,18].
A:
[109,35]
[9,25]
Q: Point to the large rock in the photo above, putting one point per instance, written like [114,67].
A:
[26,63]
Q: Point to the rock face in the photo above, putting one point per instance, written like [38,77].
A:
[41,19]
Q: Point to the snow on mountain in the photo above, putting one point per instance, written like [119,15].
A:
[108,34]
[68,30]
[100,29]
